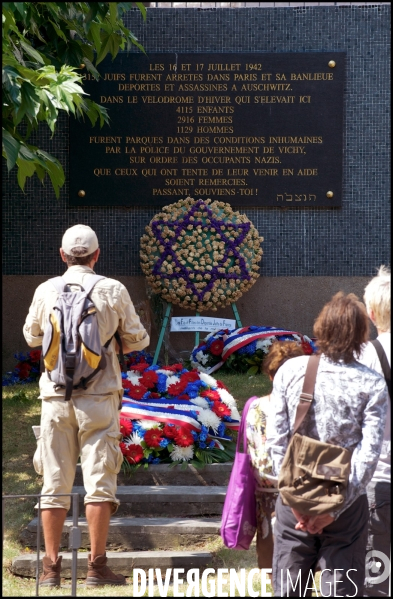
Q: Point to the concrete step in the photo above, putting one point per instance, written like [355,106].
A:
[140,534]
[120,563]
[177,501]
[167,474]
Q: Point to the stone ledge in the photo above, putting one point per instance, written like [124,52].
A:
[158,494]
[140,534]
[166,474]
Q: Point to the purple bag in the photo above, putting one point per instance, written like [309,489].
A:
[239,518]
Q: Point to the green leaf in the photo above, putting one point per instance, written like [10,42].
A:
[10,149]
[113,13]
[250,360]
[105,48]
[20,7]
[253,370]
[31,52]
[25,169]
[91,68]
[40,172]
[59,32]
[55,171]
[142,8]
[88,52]
[94,35]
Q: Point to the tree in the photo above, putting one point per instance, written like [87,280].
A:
[45,47]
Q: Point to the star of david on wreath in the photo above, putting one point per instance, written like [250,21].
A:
[231,249]
[200,254]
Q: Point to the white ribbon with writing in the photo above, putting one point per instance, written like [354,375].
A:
[204,324]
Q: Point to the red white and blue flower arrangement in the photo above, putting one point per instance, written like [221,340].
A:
[173,415]
[242,350]
[27,369]
[200,254]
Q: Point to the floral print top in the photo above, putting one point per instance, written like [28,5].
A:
[349,410]
[256,444]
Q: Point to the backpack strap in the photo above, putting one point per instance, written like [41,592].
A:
[69,375]
[59,284]
[384,362]
[93,279]
[307,394]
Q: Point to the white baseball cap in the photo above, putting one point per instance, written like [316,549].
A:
[79,236]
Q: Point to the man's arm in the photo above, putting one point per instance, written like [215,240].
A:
[133,334]
[32,329]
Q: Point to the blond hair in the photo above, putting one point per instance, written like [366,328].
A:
[377,298]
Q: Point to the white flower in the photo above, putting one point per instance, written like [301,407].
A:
[148,424]
[209,419]
[182,453]
[171,380]
[194,364]
[234,413]
[135,439]
[209,380]
[264,344]
[227,398]
[133,377]
[200,401]
[201,368]
[201,357]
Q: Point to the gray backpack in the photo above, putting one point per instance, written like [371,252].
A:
[71,348]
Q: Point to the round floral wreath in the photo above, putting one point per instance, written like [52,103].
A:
[200,254]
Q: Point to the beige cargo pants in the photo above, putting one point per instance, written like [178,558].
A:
[86,426]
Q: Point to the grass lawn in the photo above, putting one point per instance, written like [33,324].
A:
[21,410]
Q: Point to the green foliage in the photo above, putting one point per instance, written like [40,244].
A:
[215,456]
[243,363]
[45,44]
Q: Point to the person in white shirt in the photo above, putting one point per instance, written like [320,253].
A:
[377,298]
[348,410]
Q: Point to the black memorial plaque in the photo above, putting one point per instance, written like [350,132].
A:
[247,129]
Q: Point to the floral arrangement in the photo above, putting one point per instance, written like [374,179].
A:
[173,415]
[200,254]
[242,350]
[27,370]
[138,359]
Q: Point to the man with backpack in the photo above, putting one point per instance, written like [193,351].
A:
[82,321]
[377,355]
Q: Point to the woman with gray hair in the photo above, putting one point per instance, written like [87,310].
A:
[377,355]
